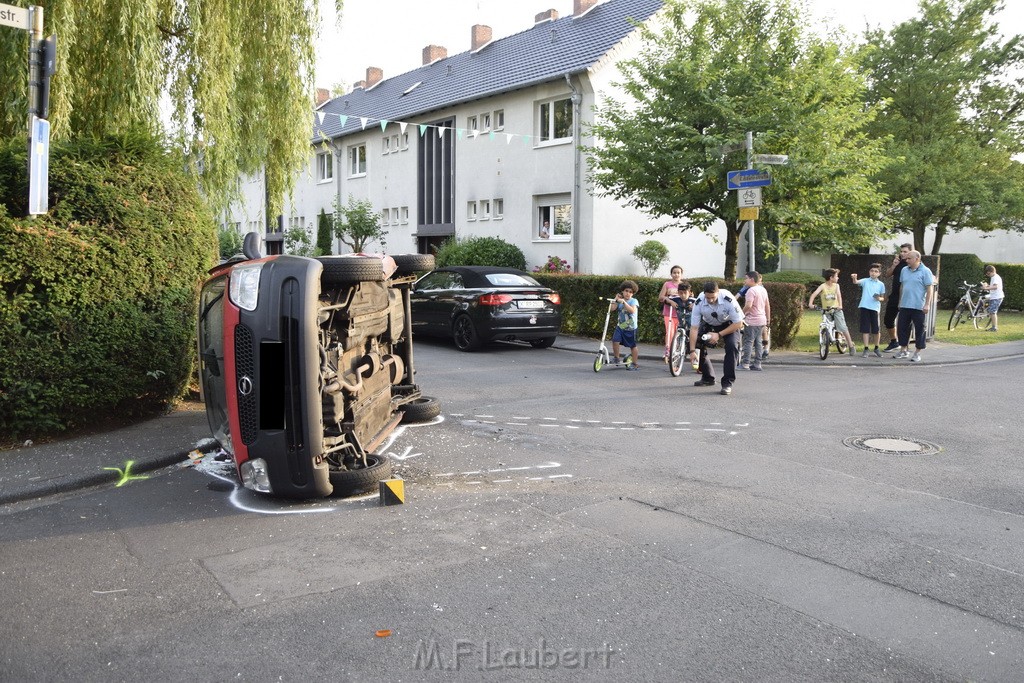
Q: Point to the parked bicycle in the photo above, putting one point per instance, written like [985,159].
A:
[827,334]
[970,309]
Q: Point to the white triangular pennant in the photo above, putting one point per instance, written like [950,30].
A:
[402,125]
[320,117]
[508,138]
[440,131]
[363,120]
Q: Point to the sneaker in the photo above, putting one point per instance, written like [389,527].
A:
[702,383]
[744,366]
[893,345]
[992,329]
[632,366]
[865,354]
[665,358]
[726,391]
[901,355]
[877,352]
[755,367]
[916,358]
[615,360]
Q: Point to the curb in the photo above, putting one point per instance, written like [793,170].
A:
[76,482]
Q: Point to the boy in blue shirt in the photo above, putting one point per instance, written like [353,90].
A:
[625,329]
[872,291]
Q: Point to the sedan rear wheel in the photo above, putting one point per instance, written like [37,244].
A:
[464,333]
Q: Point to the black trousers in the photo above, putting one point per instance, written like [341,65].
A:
[732,351]
[910,317]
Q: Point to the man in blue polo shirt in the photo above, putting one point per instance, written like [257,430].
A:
[917,285]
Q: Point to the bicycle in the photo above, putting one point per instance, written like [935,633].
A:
[827,334]
[968,308]
[679,351]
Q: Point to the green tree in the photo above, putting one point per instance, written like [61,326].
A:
[298,242]
[230,242]
[651,254]
[357,224]
[951,97]
[324,234]
[714,70]
[238,77]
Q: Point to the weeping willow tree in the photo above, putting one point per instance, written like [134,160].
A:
[229,83]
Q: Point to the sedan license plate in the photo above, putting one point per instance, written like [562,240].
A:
[530,304]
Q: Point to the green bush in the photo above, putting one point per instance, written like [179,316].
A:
[810,281]
[953,270]
[480,251]
[229,241]
[98,297]
[1013,284]
[324,234]
[584,302]
[651,254]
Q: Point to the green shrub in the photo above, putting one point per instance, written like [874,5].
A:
[98,297]
[230,242]
[1013,284]
[810,281]
[651,254]
[953,270]
[324,234]
[480,251]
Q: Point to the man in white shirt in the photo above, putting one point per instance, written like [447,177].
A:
[995,297]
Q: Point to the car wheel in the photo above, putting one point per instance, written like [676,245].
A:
[348,482]
[464,334]
[413,263]
[421,409]
[345,270]
[544,343]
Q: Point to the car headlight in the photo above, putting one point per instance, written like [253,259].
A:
[255,476]
[245,285]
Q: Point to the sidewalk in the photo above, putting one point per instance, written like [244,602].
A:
[35,471]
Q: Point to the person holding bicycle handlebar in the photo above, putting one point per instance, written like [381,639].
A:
[717,315]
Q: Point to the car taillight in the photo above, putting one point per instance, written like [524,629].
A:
[554,298]
[495,299]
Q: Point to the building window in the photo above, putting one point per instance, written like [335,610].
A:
[485,121]
[394,216]
[555,120]
[405,141]
[471,123]
[499,209]
[394,144]
[499,119]
[405,215]
[297,222]
[324,166]
[554,218]
[385,217]
[385,145]
[485,209]
[357,160]
[471,211]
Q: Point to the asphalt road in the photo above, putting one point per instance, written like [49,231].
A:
[625,523]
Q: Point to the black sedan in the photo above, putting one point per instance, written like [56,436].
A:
[478,304]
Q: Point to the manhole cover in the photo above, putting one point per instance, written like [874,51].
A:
[891,445]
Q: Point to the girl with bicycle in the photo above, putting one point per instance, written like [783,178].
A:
[832,297]
[669,310]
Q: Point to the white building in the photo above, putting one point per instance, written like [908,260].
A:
[486,142]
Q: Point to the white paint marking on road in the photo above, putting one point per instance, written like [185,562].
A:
[560,476]
[618,422]
[556,426]
[457,414]
[550,464]
[627,429]
[652,429]
[516,469]
[473,482]
[446,474]
[501,481]
[594,422]
[548,418]
[483,416]
[742,424]
[471,472]
[708,429]
[535,479]
[572,420]
[571,427]
[682,429]
[682,423]
[521,417]
[609,427]
[517,424]
[733,433]
[714,423]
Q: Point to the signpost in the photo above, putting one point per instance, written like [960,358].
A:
[750,177]
[751,197]
[771,159]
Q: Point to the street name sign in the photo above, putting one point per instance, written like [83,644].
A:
[748,177]
[771,159]
[14,16]
[732,147]
[749,197]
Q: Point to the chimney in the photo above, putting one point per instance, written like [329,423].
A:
[549,15]
[432,53]
[322,95]
[479,36]
[581,6]
[374,75]
[359,85]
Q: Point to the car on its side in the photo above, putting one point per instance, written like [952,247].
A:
[306,367]
[474,305]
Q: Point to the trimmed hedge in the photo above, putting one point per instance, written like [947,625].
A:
[584,304]
[98,305]
[956,268]
[480,251]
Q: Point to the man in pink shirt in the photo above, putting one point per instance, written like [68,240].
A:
[757,311]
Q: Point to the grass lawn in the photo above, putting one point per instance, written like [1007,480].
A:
[1011,327]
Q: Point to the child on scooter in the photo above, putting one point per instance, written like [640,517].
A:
[625,329]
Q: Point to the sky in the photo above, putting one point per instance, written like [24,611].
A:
[391,34]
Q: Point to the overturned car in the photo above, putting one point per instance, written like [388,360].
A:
[306,367]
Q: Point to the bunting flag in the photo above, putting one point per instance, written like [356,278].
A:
[470,134]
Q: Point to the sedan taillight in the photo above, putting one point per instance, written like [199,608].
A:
[495,299]
[554,298]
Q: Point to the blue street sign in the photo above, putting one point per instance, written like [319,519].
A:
[749,177]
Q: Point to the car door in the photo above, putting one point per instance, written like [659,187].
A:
[432,301]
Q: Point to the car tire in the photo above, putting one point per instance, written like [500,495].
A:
[464,334]
[345,270]
[544,343]
[409,264]
[421,409]
[348,482]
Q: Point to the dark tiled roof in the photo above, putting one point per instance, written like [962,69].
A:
[542,53]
